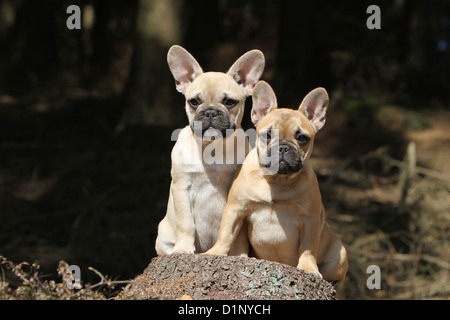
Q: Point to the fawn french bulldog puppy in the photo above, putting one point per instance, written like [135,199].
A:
[279,209]
[203,158]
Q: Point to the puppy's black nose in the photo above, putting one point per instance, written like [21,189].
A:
[283,149]
[210,113]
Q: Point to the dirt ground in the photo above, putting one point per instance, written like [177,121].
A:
[401,227]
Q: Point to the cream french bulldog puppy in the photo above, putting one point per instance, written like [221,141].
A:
[208,151]
[281,207]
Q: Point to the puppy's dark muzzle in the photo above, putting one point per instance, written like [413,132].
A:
[211,114]
[289,158]
[214,118]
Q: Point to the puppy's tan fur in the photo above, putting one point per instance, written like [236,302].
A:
[282,215]
[199,188]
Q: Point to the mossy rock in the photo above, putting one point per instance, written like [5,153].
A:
[207,277]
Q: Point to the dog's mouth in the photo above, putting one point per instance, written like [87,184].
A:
[284,167]
[212,122]
[286,161]
[212,132]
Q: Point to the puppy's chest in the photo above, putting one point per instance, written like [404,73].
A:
[208,201]
[275,223]
[208,192]
[211,179]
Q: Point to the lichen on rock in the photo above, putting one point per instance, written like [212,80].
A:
[206,277]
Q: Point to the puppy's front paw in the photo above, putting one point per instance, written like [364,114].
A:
[313,270]
[183,249]
[216,252]
[318,274]
[310,267]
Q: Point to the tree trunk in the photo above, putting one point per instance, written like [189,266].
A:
[150,87]
[206,277]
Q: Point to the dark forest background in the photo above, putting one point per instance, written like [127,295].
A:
[86,118]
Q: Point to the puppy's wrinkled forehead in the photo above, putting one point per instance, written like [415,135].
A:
[287,121]
[214,85]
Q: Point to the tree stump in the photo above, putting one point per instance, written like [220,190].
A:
[207,277]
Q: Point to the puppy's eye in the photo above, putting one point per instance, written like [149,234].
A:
[194,103]
[265,136]
[229,103]
[302,138]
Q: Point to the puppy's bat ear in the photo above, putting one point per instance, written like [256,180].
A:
[264,100]
[248,69]
[315,106]
[183,66]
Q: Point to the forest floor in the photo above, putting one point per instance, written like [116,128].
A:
[391,204]
[72,188]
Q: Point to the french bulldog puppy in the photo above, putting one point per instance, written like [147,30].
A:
[208,151]
[279,205]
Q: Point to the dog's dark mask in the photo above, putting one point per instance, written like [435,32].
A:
[289,159]
[215,119]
